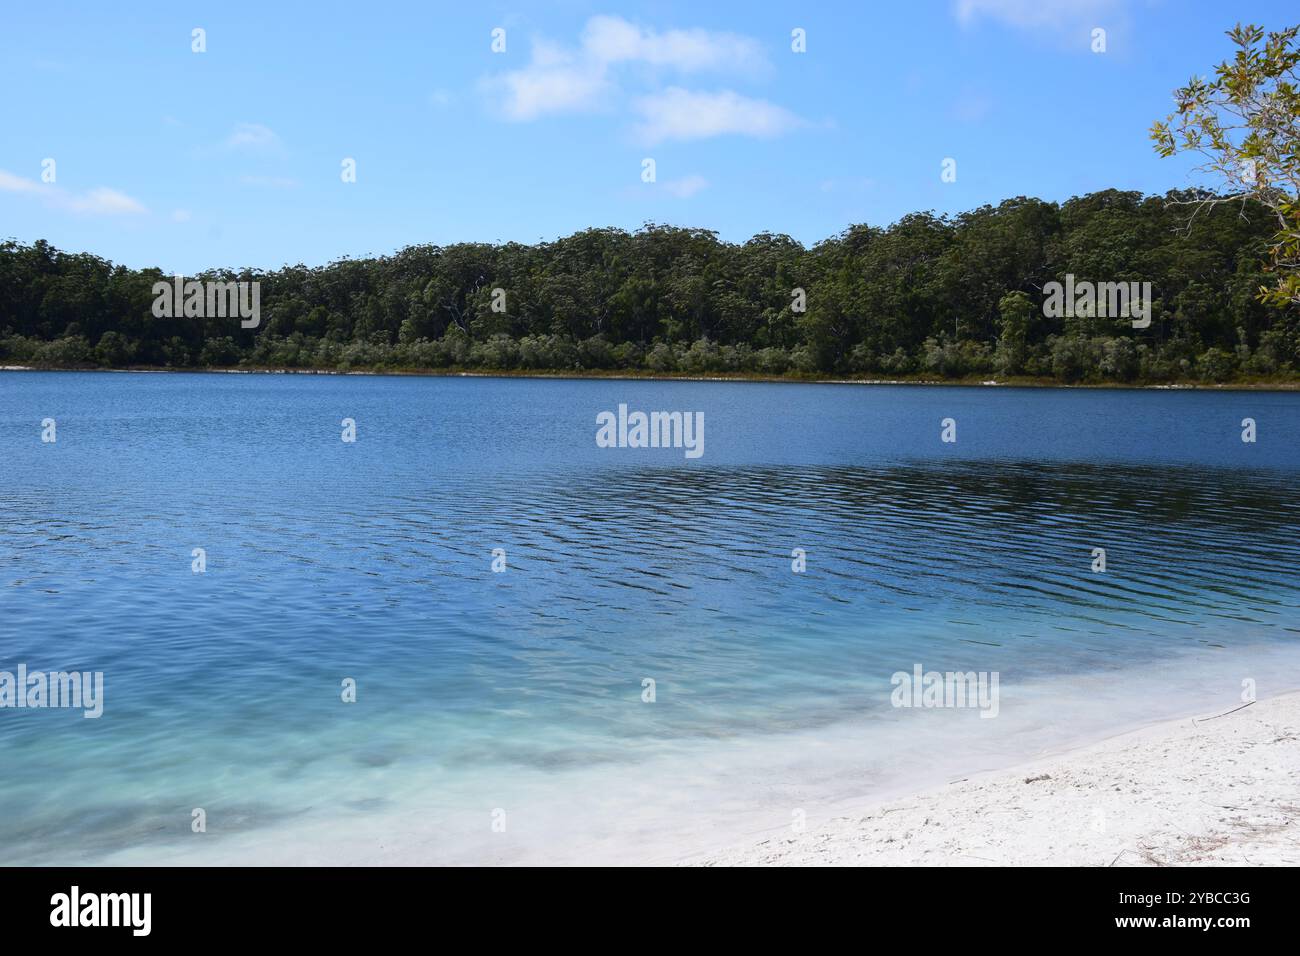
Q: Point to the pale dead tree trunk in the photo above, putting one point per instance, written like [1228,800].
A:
[461,316]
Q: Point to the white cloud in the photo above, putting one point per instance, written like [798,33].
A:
[552,83]
[16,184]
[590,77]
[1036,14]
[100,201]
[252,136]
[678,114]
[615,40]
[686,187]
[181,215]
[107,202]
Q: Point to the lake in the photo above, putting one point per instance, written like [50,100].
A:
[504,715]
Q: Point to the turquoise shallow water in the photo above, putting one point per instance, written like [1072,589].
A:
[522,690]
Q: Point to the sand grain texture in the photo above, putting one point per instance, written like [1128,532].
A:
[1217,791]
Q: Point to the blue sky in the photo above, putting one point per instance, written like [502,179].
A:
[232,157]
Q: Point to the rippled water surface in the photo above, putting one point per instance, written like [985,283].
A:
[523,690]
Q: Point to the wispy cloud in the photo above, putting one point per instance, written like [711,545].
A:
[252,136]
[106,202]
[594,76]
[16,184]
[615,40]
[686,187]
[1059,15]
[100,201]
[554,82]
[678,114]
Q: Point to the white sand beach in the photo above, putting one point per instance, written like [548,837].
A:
[1088,770]
[1218,789]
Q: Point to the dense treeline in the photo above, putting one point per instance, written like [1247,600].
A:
[929,295]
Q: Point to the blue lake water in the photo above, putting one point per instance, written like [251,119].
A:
[521,692]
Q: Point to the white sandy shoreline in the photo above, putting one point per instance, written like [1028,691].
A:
[1220,788]
[1216,789]
[1125,765]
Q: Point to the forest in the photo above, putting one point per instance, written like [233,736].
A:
[928,297]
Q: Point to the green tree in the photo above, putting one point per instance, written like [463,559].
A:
[1017,313]
[1245,126]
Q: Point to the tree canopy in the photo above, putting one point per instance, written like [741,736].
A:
[1245,126]
[930,295]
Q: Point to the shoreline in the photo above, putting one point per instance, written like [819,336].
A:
[933,789]
[742,377]
[1215,789]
